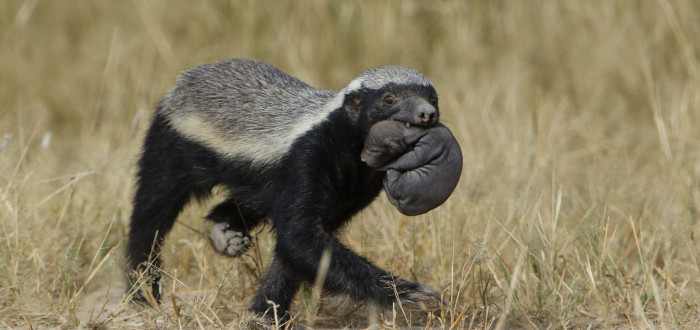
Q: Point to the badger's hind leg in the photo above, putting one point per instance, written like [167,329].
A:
[160,197]
[172,170]
[230,234]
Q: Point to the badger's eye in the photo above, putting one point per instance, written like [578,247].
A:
[434,101]
[390,100]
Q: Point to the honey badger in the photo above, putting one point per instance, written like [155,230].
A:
[286,152]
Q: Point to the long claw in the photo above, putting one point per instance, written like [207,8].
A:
[423,299]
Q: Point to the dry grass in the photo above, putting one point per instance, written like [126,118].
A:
[578,121]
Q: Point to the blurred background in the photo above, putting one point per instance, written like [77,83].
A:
[577,119]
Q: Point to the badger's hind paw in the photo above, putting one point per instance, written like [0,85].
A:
[228,241]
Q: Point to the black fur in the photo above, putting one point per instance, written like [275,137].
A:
[308,195]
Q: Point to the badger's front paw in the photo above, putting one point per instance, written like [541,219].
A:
[228,241]
[416,296]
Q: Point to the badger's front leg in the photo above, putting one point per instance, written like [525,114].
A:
[300,245]
[279,287]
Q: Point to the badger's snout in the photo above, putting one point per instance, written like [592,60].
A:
[425,114]
[416,111]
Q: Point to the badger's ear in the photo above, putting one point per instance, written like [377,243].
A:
[351,103]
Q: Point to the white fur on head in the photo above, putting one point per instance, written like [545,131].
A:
[379,77]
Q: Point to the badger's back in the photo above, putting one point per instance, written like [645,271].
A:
[244,109]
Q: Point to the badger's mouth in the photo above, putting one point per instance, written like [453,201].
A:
[410,124]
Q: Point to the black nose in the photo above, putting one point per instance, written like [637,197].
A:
[426,114]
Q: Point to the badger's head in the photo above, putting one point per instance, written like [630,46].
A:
[391,92]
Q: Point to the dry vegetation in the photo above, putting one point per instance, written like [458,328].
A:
[578,121]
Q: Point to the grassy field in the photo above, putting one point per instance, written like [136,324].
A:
[578,203]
